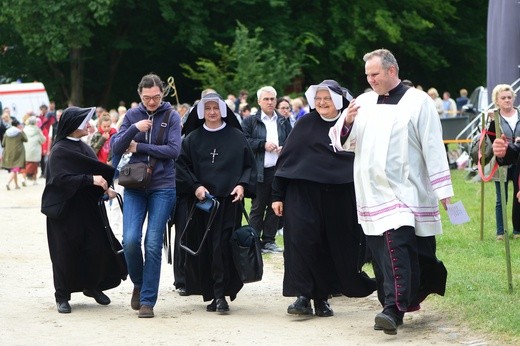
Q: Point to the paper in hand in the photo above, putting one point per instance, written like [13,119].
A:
[457,213]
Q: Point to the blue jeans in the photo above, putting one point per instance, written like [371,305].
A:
[512,175]
[498,207]
[158,204]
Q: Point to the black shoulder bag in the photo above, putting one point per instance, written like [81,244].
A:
[247,252]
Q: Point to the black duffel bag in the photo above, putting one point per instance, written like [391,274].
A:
[247,253]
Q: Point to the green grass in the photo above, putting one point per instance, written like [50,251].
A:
[478,289]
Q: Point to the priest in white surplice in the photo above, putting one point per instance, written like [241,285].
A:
[400,175]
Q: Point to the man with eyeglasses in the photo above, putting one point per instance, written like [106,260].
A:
[266,132]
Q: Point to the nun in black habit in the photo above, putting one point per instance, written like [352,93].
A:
[81,255]
[314,191]
[215,159]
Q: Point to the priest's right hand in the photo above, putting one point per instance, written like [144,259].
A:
[352,111]
[277,208]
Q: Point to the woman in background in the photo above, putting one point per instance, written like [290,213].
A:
[33,148]
[14,152]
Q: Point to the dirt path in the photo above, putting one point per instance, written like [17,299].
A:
[258,315]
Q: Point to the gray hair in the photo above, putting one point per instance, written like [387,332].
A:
[387,58]
[265,89]
[32,120]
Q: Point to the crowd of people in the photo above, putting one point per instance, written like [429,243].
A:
[25,144]
[317,167]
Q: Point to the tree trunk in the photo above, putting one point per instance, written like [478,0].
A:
[60,78]
[115,59]
[77,66]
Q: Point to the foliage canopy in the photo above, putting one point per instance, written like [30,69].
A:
[95,51]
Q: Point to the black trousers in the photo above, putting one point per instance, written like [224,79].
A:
[406,268]
[262,218]
[396,267]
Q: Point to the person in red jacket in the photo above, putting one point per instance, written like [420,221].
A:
[100,141]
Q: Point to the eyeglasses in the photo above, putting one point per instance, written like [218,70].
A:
[326,99]
[155,98]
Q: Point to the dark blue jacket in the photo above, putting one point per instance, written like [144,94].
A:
[163,176]
[255,132]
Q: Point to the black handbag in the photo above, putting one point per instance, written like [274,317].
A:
[247,252]
[139,174]
[115,246]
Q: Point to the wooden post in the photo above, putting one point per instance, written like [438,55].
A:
[482,182]
[501,176]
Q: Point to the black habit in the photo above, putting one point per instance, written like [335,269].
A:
[324,244]
[81,255]
[219,161]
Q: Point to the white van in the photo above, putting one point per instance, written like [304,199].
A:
[21,97]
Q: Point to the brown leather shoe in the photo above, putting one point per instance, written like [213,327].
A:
[135,302]
[146,311]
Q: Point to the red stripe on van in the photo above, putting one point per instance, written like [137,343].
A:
[21,91]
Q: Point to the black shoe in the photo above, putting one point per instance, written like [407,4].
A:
[99,296]
[221,305]
[63,307]
[386,322]
[394,313]
[302,306]
[212,307]
[182,291]
[271,248]
[399,322]
[322,308]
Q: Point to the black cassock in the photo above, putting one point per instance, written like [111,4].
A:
[324,244]
[219,161]
[81,255]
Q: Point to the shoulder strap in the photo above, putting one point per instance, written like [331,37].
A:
[164,125]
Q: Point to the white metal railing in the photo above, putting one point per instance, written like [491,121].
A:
[474,125]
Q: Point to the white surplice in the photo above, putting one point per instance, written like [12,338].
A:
[400,168]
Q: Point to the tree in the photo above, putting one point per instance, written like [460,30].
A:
[426,36]
[250,63]
[58,30]
[437,43]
